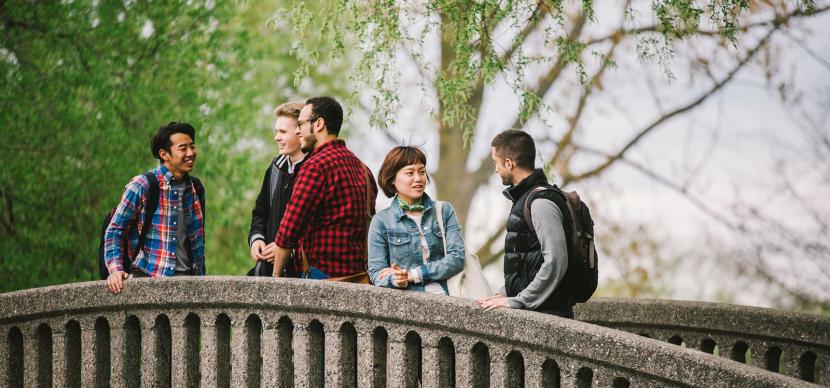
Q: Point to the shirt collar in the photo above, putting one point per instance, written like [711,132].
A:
[332,143]
[168,176]
[293,166]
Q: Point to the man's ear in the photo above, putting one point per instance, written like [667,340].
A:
[322,126]
[164,155]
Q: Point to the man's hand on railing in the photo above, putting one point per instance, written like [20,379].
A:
[493,302]
[115,281]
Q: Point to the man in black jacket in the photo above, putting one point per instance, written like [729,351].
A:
[535,260]
[275,191]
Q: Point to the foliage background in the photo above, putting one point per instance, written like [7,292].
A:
[85,85]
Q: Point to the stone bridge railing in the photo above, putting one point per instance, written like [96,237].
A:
[234,331]
[794,344]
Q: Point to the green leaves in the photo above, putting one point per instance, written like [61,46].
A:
[88,86]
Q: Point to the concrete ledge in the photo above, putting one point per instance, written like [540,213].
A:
[807,329]
[574,345]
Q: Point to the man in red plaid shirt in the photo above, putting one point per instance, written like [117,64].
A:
[326,215]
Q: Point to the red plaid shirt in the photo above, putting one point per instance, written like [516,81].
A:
[326,214]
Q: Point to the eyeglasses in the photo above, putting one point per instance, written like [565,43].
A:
[300,123]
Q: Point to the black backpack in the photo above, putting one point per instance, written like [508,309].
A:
[149,209]
[583,272]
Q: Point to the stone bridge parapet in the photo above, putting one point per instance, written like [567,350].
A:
[795,344]
[252,332]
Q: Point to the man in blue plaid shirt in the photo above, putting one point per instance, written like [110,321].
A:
[175,242]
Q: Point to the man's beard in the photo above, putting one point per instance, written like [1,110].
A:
[507,180]
[310,141]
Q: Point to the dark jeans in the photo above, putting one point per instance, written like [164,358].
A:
[567,312]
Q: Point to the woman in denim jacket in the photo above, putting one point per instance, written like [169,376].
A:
[405,246]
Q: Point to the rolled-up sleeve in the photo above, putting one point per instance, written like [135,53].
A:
[123,218]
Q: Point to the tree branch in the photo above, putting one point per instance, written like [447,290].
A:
[655,124]
[532,23]
[818,58]
[485,249]
[567,139]
[777,20]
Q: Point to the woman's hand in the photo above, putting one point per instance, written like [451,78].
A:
[401,276]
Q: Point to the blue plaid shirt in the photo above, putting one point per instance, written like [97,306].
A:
[158,256]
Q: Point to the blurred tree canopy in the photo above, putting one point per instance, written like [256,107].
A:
[592,81]
[87,83]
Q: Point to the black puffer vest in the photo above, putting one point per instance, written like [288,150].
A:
[522,252]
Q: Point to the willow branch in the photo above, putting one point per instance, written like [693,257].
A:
[583,100]
[664,118]
[776,21]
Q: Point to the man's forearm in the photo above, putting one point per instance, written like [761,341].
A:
[280,260]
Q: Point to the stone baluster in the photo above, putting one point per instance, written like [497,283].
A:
[396,358]
[239,351]
[431,362]
[823,364]
[117,349]
[606,377]
[207,357]
[533,369]
[271,354]
[30,356]
[366,367]
[340,362]
[88,351]
[568,370]
[790,357]
[5,355]
[498,365]
[179,357]
[302,369]
[308,348]
[332,370]
[758,350]
[58,353]
[149,338]
[464,362]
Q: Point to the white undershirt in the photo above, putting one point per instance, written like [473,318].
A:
[431,287]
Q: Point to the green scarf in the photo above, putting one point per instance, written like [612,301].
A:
[417,207]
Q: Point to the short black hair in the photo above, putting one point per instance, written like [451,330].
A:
[161,140]
[330,110]
[517,146]
[398,158]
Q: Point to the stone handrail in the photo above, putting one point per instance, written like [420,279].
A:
[795,344]
[236,331]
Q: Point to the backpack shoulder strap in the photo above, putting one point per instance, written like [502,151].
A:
[526,205]
[149,209]
[200,192]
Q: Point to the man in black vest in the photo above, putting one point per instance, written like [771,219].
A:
[535,263]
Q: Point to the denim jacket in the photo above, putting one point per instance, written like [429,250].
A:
[394,238]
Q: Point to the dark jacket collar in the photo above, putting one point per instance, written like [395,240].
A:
[537,178]
[281,162]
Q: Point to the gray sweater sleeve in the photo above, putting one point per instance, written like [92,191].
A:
[547,220]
